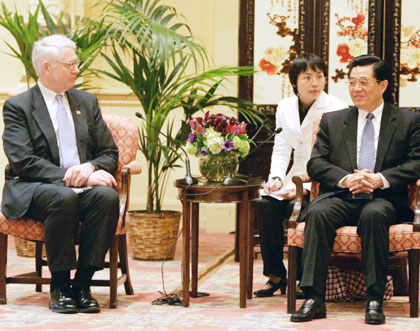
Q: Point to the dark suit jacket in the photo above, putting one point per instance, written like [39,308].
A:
[30,143]
[398,153]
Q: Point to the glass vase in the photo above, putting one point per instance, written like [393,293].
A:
[215,167]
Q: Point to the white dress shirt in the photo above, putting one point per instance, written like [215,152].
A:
[51,102]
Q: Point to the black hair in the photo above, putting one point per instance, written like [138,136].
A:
[381,70]
[301,64]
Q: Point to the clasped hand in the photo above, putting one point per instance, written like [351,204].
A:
[85,175]
[363,181]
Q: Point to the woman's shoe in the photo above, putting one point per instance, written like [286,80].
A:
[268,292]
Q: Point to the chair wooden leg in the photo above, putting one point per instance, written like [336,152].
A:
[414,259]
[122,251]
[113,270]
[3,268]
[38,264]
[291,281]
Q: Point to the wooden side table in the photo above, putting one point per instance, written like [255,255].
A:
[191,197]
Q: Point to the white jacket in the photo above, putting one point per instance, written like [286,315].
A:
[296,136]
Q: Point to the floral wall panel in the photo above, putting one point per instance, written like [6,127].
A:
[348,38]
[409,55]
[275,37]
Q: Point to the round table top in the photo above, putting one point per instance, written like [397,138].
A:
[205,191]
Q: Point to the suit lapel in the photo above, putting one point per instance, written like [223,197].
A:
[42,117]
[388,124]
[350,132]
[80,125]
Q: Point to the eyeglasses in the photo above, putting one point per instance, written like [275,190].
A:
[72,63]
[364,82]
[309,78]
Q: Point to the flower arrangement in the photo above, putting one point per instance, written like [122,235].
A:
[217,134]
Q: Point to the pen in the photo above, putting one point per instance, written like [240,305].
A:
[276,179]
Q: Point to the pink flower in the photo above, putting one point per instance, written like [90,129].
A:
[359,19]
[268,67]
[192,124]
[343,51]
[237,129]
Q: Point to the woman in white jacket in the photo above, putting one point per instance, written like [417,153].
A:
[296,116]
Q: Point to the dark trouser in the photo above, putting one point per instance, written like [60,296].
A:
[270,213]
[62,211]
[372,218]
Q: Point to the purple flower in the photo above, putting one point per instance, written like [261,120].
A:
[228,146]
[192,137]
[201,152]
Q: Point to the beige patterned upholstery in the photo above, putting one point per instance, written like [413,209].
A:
[125,134]
[401,238]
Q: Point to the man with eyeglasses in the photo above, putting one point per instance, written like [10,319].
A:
[364,158]
[61,158]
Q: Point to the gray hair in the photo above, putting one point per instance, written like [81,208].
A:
[47,48]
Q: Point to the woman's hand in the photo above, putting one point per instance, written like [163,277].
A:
[273,185]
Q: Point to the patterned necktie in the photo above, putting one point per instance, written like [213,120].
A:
[367,152]
[69,155]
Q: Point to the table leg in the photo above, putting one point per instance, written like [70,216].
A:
[251,221]
[243,250]
[186,210]
[194,248]
[238,211]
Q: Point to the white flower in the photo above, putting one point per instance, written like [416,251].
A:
[357,47]
[213,140]
[191,148]
[276,56]
[410,56]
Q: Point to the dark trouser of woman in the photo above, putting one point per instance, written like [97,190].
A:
[270,214]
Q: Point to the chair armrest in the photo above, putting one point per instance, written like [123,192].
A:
[134,167]
[416,222]
[124,192]
[297,207]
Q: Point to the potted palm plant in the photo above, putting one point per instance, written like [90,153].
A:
[161,53]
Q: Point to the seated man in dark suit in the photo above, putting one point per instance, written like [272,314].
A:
[61,158]
[364,158]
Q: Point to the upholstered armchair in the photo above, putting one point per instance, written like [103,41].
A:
[402,237]
[125,135]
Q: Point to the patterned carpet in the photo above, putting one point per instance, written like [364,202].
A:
[28,310]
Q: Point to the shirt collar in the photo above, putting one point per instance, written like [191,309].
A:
[47,93]
[377,112]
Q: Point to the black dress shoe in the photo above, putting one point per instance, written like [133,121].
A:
[61,301]
[269,291]
[84,300]
[309,310]
[374,313]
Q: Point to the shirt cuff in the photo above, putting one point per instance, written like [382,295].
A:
[385,181]
[340,183]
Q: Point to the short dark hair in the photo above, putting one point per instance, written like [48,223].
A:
[301,64]
[381,70]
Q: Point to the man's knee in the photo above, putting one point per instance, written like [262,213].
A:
[106,196]
[65,199]
[378,213]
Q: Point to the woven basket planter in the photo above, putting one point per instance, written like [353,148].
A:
[153,236]
[26,248]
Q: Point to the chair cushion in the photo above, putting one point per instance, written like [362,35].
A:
[401,238]
[27,228]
